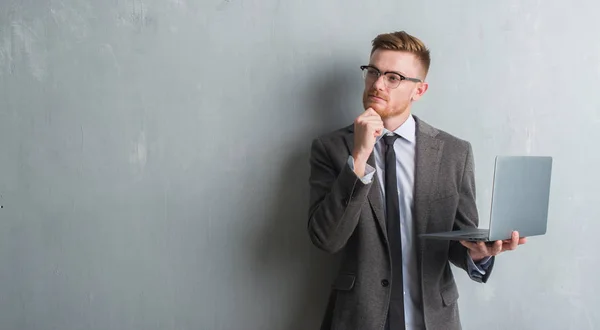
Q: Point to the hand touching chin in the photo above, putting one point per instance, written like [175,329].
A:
[381,109]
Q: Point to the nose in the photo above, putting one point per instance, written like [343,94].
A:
[379,84]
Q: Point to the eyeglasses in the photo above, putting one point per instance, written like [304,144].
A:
[392,79]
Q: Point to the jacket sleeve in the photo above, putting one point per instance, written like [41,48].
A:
[336,198]
[467,216]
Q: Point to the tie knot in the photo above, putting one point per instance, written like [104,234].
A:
[390,139]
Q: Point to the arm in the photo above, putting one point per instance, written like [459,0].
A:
[467,216]
[335,200]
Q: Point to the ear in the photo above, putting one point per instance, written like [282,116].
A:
[420,89]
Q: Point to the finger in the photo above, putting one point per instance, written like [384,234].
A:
[366,115]
[370,112]
[469,245]
[372,121]
[522,240]
[375,131]
[515,240]
[508,246]
[367,125]
[369,120]
[497,247]
[372,115]
[483,247]
[374,127]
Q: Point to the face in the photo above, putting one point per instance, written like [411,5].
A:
[393,102]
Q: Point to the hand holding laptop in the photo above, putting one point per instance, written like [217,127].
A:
[520,198]
[480,250]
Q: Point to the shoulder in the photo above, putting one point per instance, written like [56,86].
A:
[334,138]
[451,141]
[332,147]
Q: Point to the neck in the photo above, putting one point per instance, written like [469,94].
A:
[392,123]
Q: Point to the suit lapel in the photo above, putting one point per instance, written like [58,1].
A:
[375,197]
[427,163]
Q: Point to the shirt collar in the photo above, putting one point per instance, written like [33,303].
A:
[407,130]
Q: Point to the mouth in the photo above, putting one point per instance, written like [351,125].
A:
[376,98]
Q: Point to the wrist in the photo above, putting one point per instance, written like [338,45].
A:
[476,257]
[360,158]
[360,164]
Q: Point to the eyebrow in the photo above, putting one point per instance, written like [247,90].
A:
[396,72]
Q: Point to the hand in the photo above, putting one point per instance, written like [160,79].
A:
[367,127]
[480,250]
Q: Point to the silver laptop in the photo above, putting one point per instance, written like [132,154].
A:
[520,195]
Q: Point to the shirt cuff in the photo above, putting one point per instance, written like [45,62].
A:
[369,171]
[480,268]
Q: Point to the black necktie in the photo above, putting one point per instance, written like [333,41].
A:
[396,312]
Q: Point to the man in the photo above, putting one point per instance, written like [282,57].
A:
[379,183]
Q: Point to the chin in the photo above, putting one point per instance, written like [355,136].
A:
[376,106]
[382,111]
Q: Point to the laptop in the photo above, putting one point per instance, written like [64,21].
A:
[520,196]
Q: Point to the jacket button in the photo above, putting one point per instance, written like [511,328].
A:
[385,283]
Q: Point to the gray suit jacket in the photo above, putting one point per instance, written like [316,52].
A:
[346,216]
